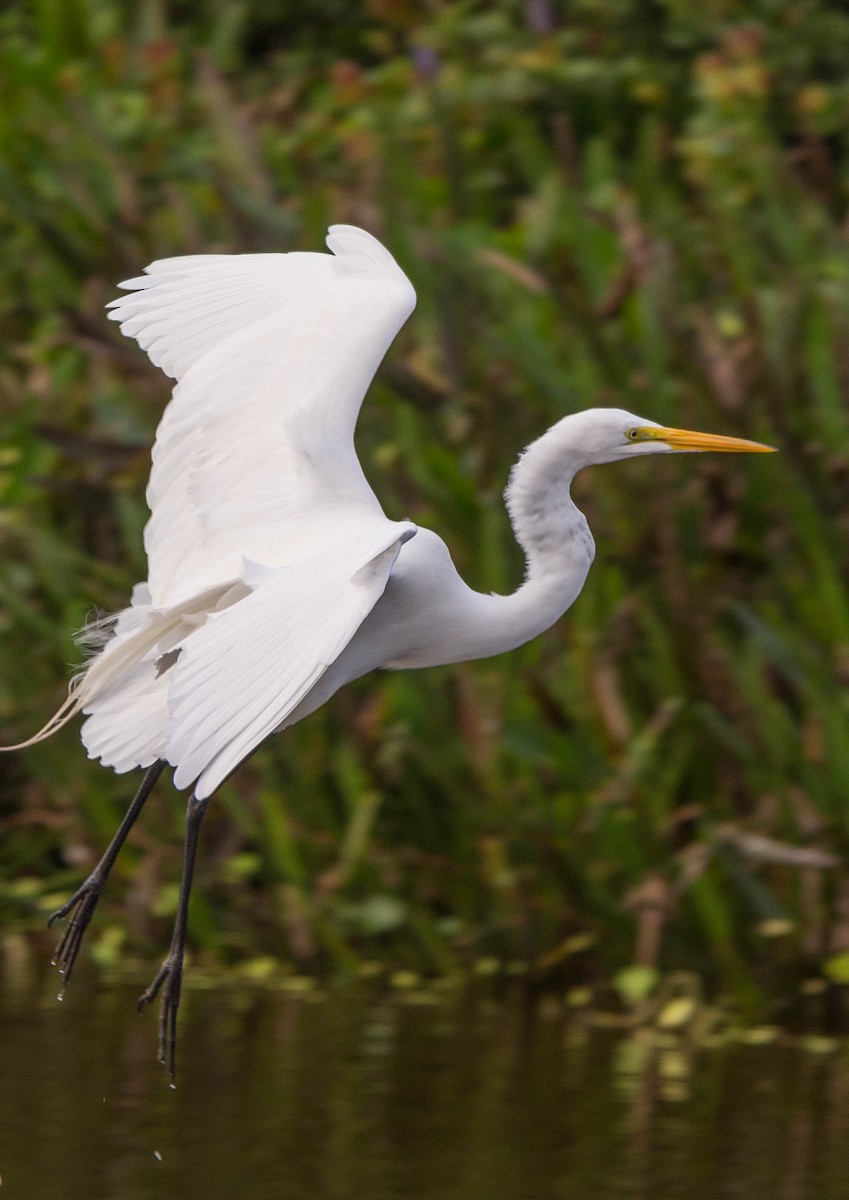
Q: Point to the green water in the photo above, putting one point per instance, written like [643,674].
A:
[371,1098]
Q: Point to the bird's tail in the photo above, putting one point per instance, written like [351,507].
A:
[119,654]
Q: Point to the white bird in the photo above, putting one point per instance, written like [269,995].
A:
[275,577]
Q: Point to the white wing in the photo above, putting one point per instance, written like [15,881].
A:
[242,674]
[273,353]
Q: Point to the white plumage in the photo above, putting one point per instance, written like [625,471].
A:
[273,354]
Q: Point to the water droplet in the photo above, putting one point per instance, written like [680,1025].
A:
[157,1156]
[172,1086]
[60,997]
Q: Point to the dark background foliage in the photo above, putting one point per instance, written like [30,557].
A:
[607,202]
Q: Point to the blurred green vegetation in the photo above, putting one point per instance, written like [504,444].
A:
[608,202]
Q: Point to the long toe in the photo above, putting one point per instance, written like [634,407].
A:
[168,1028]
[169,979]
[83,904]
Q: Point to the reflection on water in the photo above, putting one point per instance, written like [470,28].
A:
[303,1098]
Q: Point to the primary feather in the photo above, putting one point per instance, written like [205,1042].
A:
[273,354]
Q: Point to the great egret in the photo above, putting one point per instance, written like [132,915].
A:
[274,575]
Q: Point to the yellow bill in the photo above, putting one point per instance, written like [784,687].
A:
[687,439]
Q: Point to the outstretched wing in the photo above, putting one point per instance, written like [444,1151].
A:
[248,668]
[273,354]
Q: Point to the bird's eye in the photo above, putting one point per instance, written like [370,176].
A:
[633,435]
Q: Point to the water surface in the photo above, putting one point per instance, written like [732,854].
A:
[371,1097]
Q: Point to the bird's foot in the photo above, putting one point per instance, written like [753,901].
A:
[81,905]
[169,979]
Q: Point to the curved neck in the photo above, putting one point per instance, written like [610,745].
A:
[553,533]
[435,618]
[549,526]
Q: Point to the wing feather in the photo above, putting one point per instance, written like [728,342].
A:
[273,354]
[247,668]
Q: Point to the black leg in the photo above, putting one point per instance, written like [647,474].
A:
[171,972]
[84,900]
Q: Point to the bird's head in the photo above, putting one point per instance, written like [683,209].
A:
[602,435]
